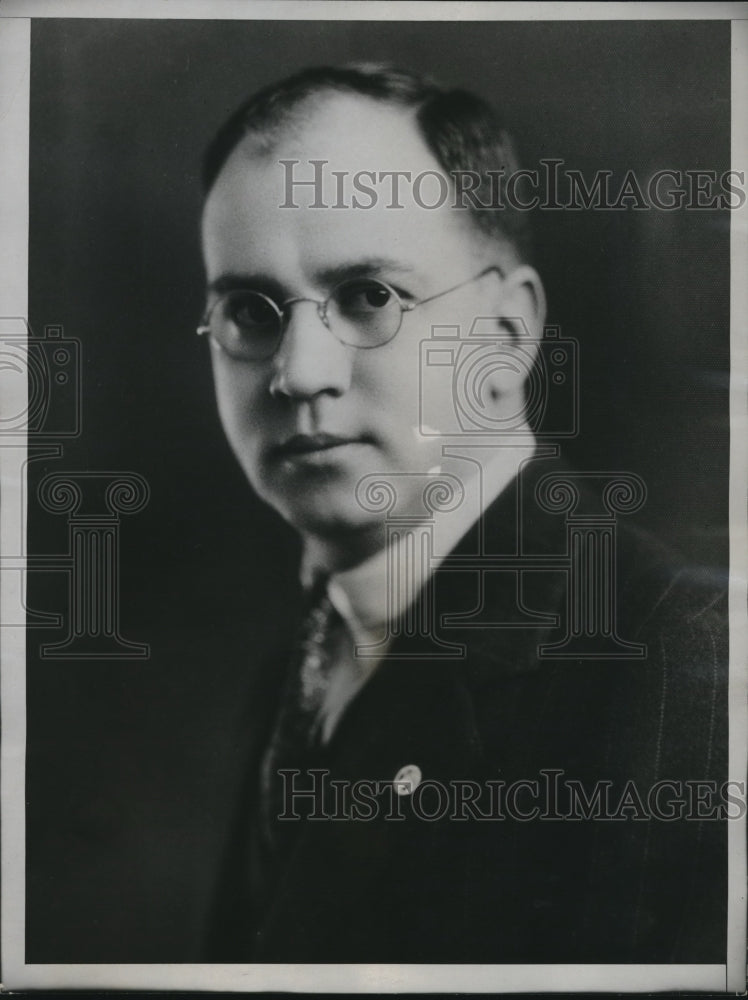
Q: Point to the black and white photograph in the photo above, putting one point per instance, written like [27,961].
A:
[373,458]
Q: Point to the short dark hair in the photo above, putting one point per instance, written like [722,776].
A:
[462,131]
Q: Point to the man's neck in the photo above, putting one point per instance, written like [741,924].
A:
[483,478]
[328,554]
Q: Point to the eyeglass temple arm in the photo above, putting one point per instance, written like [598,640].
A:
[203,329]
[488,270]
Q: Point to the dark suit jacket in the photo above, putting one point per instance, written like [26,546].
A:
[632,887]
[142,782]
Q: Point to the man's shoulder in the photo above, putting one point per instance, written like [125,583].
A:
[597,638]
[579,538]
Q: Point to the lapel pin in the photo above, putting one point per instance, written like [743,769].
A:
[407,779]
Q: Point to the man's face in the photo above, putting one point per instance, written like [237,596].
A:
[282,414]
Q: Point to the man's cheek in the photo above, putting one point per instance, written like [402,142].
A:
[237,402]
[240,424]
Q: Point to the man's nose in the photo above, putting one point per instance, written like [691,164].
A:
[310,360]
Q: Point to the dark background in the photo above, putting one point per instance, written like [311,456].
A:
[120,112]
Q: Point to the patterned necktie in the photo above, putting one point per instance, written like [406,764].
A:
[294,739]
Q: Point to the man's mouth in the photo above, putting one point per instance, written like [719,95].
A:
[301,445]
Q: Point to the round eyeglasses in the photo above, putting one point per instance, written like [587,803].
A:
[359,312]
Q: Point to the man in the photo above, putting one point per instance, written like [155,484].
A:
[437,653]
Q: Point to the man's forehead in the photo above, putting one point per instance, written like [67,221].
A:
[353,133]
[302,198]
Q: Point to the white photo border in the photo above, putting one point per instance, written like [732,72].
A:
[15,23]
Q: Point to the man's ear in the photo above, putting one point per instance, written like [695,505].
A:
[519,309]
[521,305]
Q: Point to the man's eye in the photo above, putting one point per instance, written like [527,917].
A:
[363,297]
[249,310]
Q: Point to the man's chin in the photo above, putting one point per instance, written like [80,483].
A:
[327,520]
[319,499]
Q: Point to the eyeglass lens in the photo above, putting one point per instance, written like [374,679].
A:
[359,312]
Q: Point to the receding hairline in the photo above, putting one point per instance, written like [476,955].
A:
[292,121]
[460,129]
[309,116]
